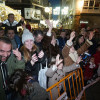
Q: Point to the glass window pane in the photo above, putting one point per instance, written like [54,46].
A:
[91,3]
[85,3]
[96,4]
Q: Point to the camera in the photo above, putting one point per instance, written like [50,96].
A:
[85,57]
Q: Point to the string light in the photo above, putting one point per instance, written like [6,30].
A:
[5,10]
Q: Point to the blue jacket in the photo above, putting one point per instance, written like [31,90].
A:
[18,41]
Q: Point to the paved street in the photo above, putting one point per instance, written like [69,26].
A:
[93,92]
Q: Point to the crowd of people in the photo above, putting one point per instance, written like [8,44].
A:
[25,53]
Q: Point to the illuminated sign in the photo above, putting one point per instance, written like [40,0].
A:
[32,13]
[85,22]
[48,10]
[56,11]
[64,11]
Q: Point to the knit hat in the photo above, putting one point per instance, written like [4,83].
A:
[27,35]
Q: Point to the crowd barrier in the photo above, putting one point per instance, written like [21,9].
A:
[73,85]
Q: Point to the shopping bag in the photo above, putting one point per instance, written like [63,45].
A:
[42,78]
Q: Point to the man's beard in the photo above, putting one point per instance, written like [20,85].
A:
[2,57]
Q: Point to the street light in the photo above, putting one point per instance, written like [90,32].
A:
[56,11]
[47,9]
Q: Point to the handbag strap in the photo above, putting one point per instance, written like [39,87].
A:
[46,64]
[40,66]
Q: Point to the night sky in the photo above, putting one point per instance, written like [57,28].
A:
[54,2]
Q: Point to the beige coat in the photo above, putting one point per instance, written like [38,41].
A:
[54,77]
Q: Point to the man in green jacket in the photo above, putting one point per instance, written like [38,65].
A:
[9,61]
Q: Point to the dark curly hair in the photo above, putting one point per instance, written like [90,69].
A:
[19,82]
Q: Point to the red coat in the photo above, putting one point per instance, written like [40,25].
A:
[88,73]
[97,58]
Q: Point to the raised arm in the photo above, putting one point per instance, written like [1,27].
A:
[50,26]
[48,37]
[86,45]
[69,43]
[21,22]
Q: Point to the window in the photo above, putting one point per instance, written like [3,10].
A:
[85,3]
[96,6]
[91,4]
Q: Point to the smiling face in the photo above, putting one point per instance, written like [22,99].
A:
[5,51]
[29,44]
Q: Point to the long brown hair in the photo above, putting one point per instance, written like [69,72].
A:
[27,53]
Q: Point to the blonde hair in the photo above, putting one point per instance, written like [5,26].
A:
[26,53]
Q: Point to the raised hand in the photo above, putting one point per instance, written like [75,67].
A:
[91,35]
[41,54]
[58,61]
[34,59]
[72,35]
[17,54]
[50,24]
[22,19]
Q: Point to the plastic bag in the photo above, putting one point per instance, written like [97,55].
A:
[42,78]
